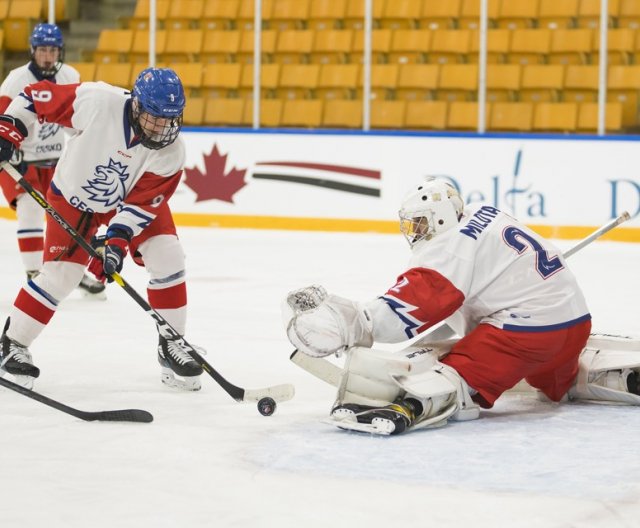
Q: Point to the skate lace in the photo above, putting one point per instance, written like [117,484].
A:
[178,353]
[18,353]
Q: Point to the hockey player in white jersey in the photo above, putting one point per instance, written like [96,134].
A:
[502,288]
[119,170]
[39,153]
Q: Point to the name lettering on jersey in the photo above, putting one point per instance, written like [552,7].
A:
[107,185]
[46,149]
[479,221]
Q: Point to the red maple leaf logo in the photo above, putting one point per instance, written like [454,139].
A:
[214,184]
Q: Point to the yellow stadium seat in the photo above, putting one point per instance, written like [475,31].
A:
[117,74]
[246,13]
[458,82]
[384,79]
[555,117]
[517,14]
[182,45]
[194,111]
[223,111]
[401,14]
[554,14]
[529,46]
[450,45]
[588,117]
[380,44]
[342,114]
[270,112]
[140,18]
[288,14]
[26,9]
[326,14]
[439,15]
[298,81]
[417,81]
[517,117]
[463,115]
[190,74]
[140,47]
[184,14]
[302,113]
[17,28]
[589,13]
[113,45]
[267,45]
[622,86]
[581,83]
[221,80]
[219,14]
[269,78]
[620,46]
[498,44]
[293,46]
[629,14]
[220,45]
[337,81]
[354,15]
[87,70]
[409,45]
[503,81]
[571,46]
[470,13]
[331,46]
[430,115]
[4,9]
[388,114]
[542,82]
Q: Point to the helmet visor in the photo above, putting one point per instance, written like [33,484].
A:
[157,132]
[415,228]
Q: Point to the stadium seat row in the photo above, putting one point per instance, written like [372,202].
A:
[321,14]
[18,18]
[422,115]
[560,46]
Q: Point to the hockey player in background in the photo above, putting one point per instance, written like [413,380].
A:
[119,170]
[38,155]
[507,293]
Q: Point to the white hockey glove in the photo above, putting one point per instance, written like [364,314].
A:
[319,324]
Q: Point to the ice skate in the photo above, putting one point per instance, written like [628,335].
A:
[179,369]
[389,420]
[92,288]
[15,359]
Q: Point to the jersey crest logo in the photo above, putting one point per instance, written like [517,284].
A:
[48,130]
[107,186]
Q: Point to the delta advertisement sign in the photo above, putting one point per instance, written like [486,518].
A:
[544,182]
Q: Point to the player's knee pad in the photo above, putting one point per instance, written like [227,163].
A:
[164,259]
[609,370]
[58,278]
[29,213]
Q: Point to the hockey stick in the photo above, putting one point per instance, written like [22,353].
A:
[124,415]
[278,392]
[326,371]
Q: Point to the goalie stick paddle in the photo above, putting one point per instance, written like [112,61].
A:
[124,415]
[279,393]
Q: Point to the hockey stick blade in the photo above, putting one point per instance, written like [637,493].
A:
[125,415]
[280,393]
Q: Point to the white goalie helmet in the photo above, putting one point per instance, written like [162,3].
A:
[430,209]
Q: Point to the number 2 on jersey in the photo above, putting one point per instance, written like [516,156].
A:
[519,240]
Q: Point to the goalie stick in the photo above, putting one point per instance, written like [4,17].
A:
[124,415]
[330,373]
[279,393]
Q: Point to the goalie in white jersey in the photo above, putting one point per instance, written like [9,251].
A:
[507,293]
[118,170]
[39,153]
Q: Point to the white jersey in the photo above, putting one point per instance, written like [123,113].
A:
[45,140]
[489,269]
[103,166]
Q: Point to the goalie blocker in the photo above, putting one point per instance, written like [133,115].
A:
[388,393]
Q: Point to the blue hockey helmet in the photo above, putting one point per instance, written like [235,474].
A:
[157,107]
[47,35]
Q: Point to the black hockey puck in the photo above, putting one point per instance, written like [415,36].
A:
[267,406]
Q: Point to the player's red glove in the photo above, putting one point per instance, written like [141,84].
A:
[12,133]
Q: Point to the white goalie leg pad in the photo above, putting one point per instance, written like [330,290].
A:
[607,365]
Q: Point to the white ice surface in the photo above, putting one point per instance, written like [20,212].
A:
[207,461]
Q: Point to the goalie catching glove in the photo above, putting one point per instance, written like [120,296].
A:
[319,324]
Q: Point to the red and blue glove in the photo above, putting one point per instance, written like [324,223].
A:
[116,247]
[12,133]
